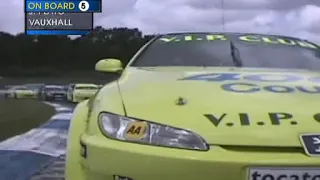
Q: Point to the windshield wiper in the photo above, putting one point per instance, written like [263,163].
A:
[235,54]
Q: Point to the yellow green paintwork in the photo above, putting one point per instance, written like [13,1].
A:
[109,65]
[21,93]
[151,93]
[79,95]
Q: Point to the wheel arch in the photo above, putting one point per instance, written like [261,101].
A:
[73,168]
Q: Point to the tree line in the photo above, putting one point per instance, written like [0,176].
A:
[23,55]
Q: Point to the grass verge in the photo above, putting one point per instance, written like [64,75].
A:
[19,116]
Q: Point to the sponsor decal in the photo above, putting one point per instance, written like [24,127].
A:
[136,130]
[284,174]
[181,101]
[253,83]
[244,119]
[260,39]
[116,177]
[311,144]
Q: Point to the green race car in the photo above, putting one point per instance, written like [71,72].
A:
[193,106]
[21,92]
[80,92]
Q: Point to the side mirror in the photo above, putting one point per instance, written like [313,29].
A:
[109,65]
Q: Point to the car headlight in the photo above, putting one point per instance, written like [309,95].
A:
[144,132]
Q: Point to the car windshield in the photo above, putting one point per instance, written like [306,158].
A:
[54,89]
[34,85]
[20,88]
[87,87]
[244,50]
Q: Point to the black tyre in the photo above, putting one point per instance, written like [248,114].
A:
[71,99]
[49,98]
[43,97]
[39,95]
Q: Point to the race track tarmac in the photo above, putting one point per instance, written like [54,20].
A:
[40,153]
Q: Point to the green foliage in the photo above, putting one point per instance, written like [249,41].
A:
[23,55]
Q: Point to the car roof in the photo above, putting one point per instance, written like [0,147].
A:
[86,85]
[54,86]
[35,84]
[20,87]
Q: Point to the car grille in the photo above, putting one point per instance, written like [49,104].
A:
[263,149]
[59,94]
[28,95]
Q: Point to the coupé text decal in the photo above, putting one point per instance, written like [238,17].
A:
[244,38]
[274,118]
[253,83]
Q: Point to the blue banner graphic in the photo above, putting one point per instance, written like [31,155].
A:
[58,32]
[70,6]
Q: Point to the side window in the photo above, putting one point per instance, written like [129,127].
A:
[71,88]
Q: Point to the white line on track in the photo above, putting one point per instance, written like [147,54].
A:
[49,139]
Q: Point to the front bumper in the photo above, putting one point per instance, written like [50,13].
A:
[106,158]
[32,96]
[80,98]
[56,96]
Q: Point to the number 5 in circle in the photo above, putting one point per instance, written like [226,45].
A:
[83,6]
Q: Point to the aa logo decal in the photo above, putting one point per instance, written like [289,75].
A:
[245,119]
[136,130]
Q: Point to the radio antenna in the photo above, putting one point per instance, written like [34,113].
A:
[223,16]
